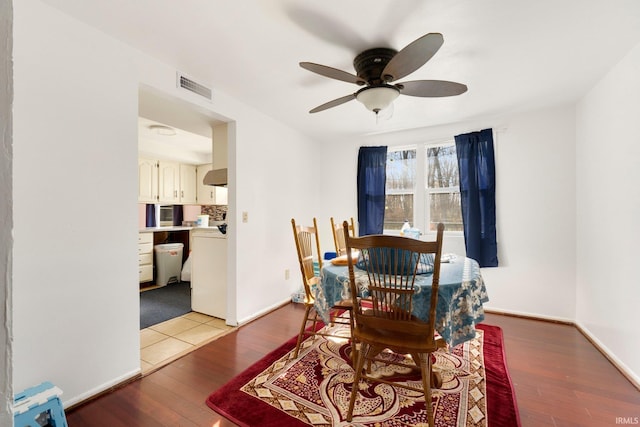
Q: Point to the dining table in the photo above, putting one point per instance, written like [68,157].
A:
[461,295]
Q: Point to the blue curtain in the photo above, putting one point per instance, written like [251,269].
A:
[372,179]
[150,220]
[177,214]
[476,165]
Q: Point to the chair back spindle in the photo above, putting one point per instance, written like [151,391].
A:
[338,236]
[307,241]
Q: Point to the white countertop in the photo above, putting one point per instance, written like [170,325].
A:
[175,228]
[207,231]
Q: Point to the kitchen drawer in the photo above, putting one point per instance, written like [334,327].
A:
[145,238]
[145,259]
[145,248]
[146,273]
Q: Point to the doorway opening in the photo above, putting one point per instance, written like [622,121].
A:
[175,150]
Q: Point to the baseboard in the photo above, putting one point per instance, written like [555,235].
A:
[603,349]
[620,365]
[267,310]
[101,390]
[531,316]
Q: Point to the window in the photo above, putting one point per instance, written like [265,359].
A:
[400,188]
[438,200]
[443,187]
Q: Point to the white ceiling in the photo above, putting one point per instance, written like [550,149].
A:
[514,55]
[183,146]
[192,142]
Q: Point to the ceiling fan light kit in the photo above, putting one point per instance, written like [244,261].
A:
[376,68]
[377,98]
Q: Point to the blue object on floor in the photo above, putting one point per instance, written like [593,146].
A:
[39,406]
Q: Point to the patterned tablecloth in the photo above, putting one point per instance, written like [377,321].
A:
[460,296]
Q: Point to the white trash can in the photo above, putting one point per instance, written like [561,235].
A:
[168,262]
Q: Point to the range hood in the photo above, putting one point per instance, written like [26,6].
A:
[216,177]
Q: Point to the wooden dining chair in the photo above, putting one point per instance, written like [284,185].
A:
[338,236]
[385,321]
[307,240]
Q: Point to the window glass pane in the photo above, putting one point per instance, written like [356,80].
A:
[445,208]
[398,209]
[401,183]
[401,170]
[442,166]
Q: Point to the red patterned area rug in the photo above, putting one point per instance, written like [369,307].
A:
[315,389]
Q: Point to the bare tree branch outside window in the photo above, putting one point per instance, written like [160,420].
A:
[443,187]
[401,183]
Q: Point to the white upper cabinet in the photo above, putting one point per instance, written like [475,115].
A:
[208,194]
[168,182]
[188,186]
[174,183]
[221,195]
[147,181]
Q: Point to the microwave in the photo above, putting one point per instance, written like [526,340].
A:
[164,215]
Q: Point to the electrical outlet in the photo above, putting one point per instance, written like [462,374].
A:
[245,216]
[286,274]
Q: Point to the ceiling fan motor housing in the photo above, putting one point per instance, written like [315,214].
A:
[370,64]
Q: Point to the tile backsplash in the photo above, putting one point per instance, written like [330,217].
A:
[215,212]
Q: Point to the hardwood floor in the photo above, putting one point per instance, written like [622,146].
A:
[559,377]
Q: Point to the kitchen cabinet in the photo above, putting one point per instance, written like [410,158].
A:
[147,180]
[208,194]
[209,272]
[188,187]
[145,257]
[168,182]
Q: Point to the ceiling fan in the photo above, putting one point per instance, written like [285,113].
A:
[377,68]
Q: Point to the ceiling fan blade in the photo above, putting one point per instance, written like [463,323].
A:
[412,57]
[431,88]
[332,73]
[333,103]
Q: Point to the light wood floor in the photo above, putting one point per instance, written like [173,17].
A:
[560,379]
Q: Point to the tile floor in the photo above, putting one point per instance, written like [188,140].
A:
[166,341]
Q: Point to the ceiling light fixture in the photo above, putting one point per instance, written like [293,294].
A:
[377,98]
[163,130]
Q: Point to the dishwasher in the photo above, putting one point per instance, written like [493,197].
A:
[209,272]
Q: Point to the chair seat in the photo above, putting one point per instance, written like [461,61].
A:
[399,343]
[346,304]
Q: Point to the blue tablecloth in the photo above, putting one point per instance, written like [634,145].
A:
[460,296]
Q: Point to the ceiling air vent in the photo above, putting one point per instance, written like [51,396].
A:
[186,83]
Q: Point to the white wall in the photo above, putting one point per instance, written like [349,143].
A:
[535,212]
[75,280]
[6,214]
[608,201]
[535,173]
